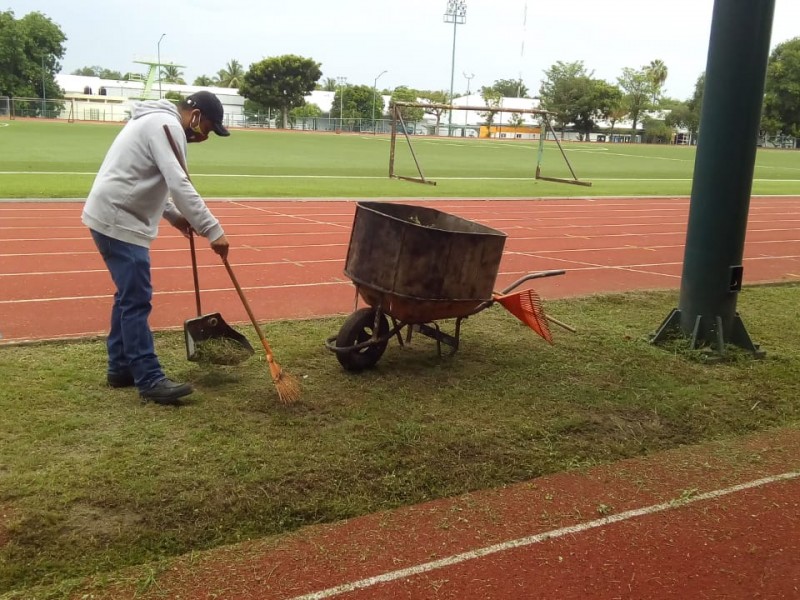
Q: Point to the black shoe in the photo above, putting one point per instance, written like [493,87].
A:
[120,380]
[166,391]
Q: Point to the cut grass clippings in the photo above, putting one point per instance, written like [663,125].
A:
[92,481]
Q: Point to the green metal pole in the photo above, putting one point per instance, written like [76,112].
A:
[723,175]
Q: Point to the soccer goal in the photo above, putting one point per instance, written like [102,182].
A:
[546,133]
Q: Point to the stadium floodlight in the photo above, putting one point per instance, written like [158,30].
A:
[456,14]
[159,64]
[466,112]
[374,98]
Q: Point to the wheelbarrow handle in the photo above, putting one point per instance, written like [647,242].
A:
[530,276]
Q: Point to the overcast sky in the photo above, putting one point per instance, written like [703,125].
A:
[358,39]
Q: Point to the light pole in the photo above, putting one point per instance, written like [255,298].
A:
[44,91]
[159,64]
[466,112]
[341,81]
[374,98]
[456,14]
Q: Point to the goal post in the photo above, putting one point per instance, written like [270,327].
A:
[545,129]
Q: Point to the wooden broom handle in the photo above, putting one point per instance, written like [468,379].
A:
[247,308]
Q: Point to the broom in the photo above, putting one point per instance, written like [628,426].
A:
[287,386]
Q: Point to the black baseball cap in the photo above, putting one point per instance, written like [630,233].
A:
[211,108]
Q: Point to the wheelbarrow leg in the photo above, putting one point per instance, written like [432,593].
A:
[434,332]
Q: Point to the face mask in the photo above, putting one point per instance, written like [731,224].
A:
[194,133]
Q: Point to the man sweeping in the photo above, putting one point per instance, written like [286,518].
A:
[139,182]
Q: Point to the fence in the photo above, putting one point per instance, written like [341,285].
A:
[70,110]
[778,141]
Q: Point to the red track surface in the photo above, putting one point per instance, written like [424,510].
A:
[289,257]
[543,539]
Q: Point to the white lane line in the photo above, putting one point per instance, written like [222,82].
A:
[541,537]
[182,292]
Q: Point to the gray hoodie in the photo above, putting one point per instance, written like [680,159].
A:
[140,173]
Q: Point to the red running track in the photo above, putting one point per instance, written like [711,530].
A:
[289,256]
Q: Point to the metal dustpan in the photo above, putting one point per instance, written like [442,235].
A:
[208,337]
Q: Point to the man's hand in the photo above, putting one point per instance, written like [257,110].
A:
[221,246]
[182,225]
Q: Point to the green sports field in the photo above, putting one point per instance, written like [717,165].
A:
[59,160]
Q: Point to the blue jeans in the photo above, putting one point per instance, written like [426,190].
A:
[130,341]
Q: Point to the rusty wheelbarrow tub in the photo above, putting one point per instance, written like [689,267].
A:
[415,265]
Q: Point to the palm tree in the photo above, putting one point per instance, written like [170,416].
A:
[203,80]
[330,84]
[231,76]
[172,74]
[657,73]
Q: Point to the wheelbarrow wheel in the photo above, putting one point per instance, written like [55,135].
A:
[359,328]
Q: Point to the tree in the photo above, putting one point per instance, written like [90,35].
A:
[281,82]
[492,99]
[352,102]
[561,89]
[406,94]
[656,132]
[30,49]
[516,120]
[204,80]
[616,114]
[172,74]
[597,99]
[307,111]
[435,97]
[97,71]
[657,74]
[329,85]
[782,91]
[637,90]
[231,76]
[682,116]
[511,88]
[696,101]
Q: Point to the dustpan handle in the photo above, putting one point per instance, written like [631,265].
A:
[180,160]
[194,274]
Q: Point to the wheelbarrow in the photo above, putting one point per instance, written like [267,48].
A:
[414,266]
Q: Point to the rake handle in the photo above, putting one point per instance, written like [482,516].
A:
[246,305]
[561,324]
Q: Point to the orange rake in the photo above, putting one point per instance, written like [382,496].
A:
[527,305]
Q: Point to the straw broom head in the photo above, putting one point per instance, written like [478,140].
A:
[287,385]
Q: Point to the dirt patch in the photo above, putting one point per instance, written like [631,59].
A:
[100,522]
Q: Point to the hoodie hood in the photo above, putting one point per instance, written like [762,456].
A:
[147,107]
